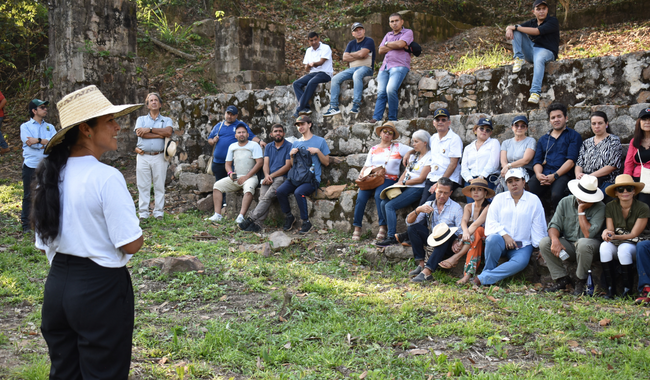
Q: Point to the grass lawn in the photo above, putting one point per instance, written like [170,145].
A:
[310,313]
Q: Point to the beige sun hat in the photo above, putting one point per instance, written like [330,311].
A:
[624,180]
[440,234]
[392,191]
[83,105]
[478,183]
[170,148]
[390,125]
[586,189]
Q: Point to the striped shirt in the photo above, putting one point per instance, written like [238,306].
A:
[594,157]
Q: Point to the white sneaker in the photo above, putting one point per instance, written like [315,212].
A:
[534,98]
[215,218]
[239,219]
[518,65]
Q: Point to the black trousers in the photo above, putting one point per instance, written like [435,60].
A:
[28,175]
[559,188]
[418,234]
[87,319]
[219,171]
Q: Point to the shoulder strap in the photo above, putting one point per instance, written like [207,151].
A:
[390,152]
[639,154]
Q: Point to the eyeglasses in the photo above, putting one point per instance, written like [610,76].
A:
[520,126]
[484,129]
[440,120]
[387,131]
[622,189]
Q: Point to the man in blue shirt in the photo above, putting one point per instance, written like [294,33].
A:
[360,52]
[35,134]
[223,135]
[556,155]
[276,165]
[151,167]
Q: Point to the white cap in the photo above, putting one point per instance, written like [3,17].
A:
[516,172]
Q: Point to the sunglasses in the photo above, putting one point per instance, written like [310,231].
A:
[441,120]
[622,189]
[42,107]
[484,129]
[387,131]
[520,126]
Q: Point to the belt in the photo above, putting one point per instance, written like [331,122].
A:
[152,153]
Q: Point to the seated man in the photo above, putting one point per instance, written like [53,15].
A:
[556,154]
[574,229]
[360,52]
[515,224]
[433,214]
[319,153]
[276,165]
[536,41]
[318,61]
[247,159]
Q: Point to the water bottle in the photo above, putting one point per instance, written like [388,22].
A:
[564,255]
[590,284]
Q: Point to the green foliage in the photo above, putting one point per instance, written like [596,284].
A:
[496,57]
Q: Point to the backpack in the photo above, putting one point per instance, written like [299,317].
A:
[302,170]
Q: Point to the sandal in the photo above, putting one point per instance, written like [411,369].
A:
[356,235]
[381,235]
[447,265]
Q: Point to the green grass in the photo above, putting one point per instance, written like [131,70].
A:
[238,318]
[496,57]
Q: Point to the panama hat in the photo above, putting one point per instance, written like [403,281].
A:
[83,105]
[624,180]
[586,189]
[389,125]
[440,234]
[170,148]
[478,183]
[391,191]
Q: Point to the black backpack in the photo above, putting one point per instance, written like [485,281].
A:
[302,170]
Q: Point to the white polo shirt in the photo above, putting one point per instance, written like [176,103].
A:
[312,55]
[442,151]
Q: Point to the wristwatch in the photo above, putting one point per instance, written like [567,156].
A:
[39,140]
[150,130]
[555,175]
[516,27]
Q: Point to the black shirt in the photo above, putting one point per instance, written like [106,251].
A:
[549,34]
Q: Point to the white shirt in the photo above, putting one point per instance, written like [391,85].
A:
[524,221]
[97,214]
[481,162]
[312,55]
[417,167]
[243,157]
[442,150]
[379,157]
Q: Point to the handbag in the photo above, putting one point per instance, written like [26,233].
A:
[375,176]
[208,168]
[644,177]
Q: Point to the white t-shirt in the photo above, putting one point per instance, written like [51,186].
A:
[417,167]
[312,55]
[243,157]
[442,151]
[377,157]
[97,214]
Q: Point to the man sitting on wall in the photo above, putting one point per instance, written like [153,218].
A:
[318,61]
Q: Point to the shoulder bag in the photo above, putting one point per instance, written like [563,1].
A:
[645,176]
[375,176]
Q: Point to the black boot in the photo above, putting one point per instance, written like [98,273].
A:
[628,280]
[608,276]
[560,284]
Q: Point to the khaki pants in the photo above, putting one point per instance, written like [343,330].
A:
[151,169]
[267,195]
[582,252]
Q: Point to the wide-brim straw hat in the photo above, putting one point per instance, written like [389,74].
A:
[440,234]
[478,183]
[83,105]
[170,148]
[389,125]
[391,191]
[624,180]
[586,189]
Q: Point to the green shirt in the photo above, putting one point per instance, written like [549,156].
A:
[615,211]
[566,221]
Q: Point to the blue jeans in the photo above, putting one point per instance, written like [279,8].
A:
[643,263]
[300,192]
[524,49]
[495,247]
[305,87]
[3,143]
[362,200]
[356,74]
[390,206]
[388,82]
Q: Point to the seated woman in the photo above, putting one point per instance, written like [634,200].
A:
[518,152]
[411,182]
[388,155]
[639,151]
[625,219]
[481,156]
[600,156]
[473,226]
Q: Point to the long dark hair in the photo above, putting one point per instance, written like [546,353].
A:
[638,134]
[46,197]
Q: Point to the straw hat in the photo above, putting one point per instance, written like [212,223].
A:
[586,189]
[391,191]
[170,148]
[624,180]
[440,234]
[83,105]
[389,125]
[478,183]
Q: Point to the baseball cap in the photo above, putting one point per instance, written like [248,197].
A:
[440,112]
[515,172]
[232,109]
[303,119]
[644,113]
[484,121]
[519,118]
[538,2]
[357,25]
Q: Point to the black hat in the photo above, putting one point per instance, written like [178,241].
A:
[644,113]
[357,25]
[414,48]
[538,2]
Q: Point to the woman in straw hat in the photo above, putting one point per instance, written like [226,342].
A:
[385,154]
[625,219]
[473,226]
[85,222]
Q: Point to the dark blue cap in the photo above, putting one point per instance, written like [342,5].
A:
[519,118]
[484,121]
[440,112]
[232,109]
[538,2]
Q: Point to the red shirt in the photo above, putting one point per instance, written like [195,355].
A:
[2,110]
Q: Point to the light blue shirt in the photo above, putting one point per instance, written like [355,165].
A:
[452,215]
[35,153]
[146,121]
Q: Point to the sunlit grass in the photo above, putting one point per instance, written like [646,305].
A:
[474,60]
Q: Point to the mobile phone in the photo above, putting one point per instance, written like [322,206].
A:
[519,244]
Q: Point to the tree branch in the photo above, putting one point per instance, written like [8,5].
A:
[170,49]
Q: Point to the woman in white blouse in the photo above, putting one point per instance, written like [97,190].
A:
[481,156]
[386,154]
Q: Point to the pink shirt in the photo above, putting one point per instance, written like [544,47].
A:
[397,58]
[632,167]
[2,110]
